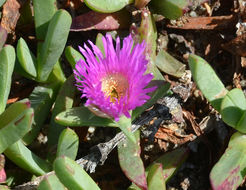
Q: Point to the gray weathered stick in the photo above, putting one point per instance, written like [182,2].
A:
[98,154]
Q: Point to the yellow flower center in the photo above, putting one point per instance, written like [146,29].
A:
[115,86]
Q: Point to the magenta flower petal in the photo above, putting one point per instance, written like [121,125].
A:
[114,83]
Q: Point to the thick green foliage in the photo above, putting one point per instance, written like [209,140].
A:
[26,58]
[41,100]
[107,6]
[232,165]
[24,158]
[73,56]
[207,81]
[169,64]
[129,155]
[51,182]
[7,62]
[64,101]
[155,177]
[72,175]
[232,106]
[15,122]
[171,9]
[68,144]
[54,43]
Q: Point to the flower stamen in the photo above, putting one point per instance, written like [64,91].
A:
[114,86]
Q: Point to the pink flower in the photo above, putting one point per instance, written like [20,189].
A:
[114,83]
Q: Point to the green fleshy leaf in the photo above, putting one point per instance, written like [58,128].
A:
[129,155]
[43,12]
[68,144]
[125,124]
[232,165]
[233,109]
[56,75]
[107,6]
[63,102]
[73,56]
[99,42]
[51,182]
[207,81]
[169,64]
[19,69]
[81,116]
[54,43]
[7,62]
[16,128]
[25,159]
[158,77]
[26,58]
[170,161]
[156,177]
[171,9]
[14,112]
[41,100]
[72,175]
[2,2]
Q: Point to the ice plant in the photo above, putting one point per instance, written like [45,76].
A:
[115,83]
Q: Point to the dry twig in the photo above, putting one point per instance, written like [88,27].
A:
[98,154]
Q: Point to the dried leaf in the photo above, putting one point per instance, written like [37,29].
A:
[237,46]
[10,15]
[206,23]
[166,135]
[101,21]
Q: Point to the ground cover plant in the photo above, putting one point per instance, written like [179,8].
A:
[101,94]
